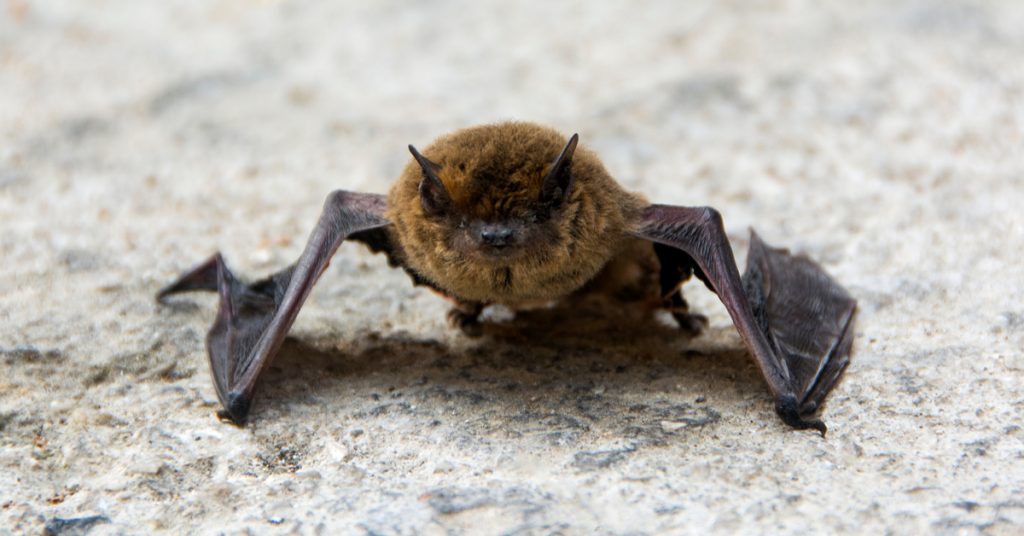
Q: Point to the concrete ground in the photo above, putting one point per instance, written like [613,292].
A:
[136,138]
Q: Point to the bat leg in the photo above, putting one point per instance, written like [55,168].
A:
[675,269]
[466,316]
[253,320]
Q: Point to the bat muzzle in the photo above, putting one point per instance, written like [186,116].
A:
[497,236]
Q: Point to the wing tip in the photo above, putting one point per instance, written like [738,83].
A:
[202,276]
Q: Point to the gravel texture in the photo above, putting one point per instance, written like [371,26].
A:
[136,138]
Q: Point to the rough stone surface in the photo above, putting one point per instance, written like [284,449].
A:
[883,138]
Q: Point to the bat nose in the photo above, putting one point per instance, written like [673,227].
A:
[497,236]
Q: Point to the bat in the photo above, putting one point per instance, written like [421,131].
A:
[516,214]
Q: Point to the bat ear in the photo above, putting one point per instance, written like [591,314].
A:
[433,195]
[558,181]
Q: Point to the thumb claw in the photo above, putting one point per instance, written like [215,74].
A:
[788,409]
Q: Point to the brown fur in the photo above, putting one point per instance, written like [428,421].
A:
[494,173]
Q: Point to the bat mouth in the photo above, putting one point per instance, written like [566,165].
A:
[499,253]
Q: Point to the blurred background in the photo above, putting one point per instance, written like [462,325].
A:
[882,138]
[695,102]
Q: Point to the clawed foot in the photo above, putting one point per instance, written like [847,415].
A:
[692,324]
[467,319]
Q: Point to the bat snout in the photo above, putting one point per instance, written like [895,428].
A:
[497,236]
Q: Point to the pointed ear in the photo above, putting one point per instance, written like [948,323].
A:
[433,196]
[558,182]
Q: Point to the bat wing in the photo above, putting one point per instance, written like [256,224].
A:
[807,315]
[252,320]
[795,320]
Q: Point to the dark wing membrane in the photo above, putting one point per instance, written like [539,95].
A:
[253,320]
[793,318]
[808,316]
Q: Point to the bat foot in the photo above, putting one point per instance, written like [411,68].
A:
[789,411]
[469,324]
[691,324]
[466,317]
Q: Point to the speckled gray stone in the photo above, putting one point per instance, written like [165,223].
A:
[136,138]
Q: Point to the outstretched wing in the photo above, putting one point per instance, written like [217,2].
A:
[794,319]
[252,320]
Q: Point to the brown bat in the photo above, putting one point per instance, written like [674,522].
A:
[515,214]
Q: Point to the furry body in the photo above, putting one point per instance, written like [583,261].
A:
[495,173]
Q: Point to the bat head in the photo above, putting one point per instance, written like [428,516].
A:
[496,199]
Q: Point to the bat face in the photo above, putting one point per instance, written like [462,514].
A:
[488,208]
